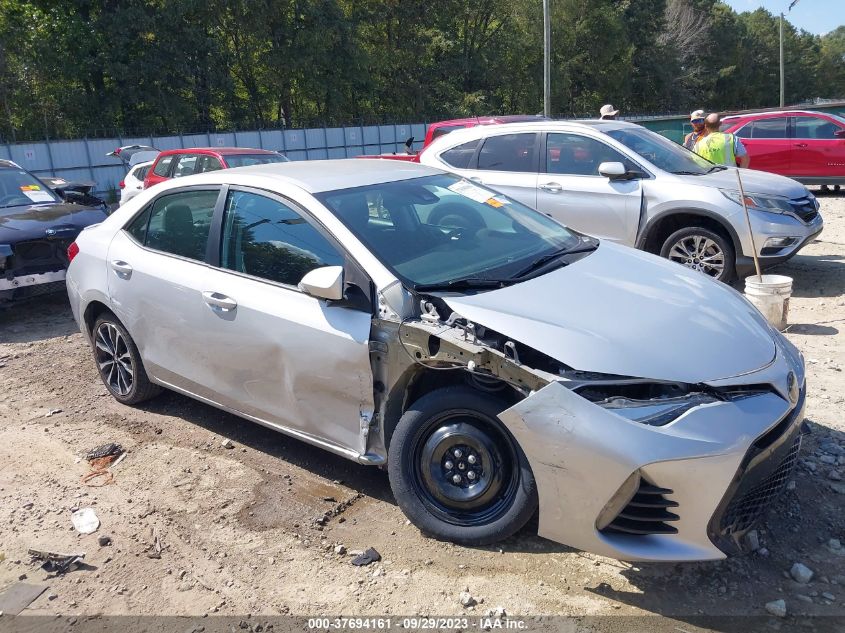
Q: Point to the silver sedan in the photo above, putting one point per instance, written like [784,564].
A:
[646,411]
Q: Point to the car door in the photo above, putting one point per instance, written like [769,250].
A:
[160,171]
[571,190]
[507,163]
[186,165]
[278,354]
[768,144]
[156,278]
[818,147]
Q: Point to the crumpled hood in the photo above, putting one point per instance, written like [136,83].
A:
[31,222]
[623,311]
[753,181]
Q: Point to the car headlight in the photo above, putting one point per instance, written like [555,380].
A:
[773,204]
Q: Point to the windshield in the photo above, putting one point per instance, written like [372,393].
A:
[661,152]
[438,229]
[18,188]
[244,160]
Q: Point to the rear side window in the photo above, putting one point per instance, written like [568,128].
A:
[764,128]
[445,129]
[264,238]
[141,172]
[812,127]
[509,152]
[461,155]
[177,223]
[186,165]
[162,167]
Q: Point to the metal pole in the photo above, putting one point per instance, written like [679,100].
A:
[748,223]
[547,64]
[781,60]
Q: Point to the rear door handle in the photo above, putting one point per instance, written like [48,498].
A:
[551,187]
[800,145]
[221,301]
[121,268]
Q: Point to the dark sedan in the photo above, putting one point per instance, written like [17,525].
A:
[36,227]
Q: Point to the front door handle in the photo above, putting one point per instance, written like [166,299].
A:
[800,145]
[551,187]
[121,268]
[220,301]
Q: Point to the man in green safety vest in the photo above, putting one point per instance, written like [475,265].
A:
[720,148]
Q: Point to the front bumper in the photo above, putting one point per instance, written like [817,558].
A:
[775,225]
[582,456]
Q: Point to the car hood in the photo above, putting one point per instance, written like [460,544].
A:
[753,181]
[625,312]
[33,222]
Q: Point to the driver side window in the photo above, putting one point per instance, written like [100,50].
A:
[576,155]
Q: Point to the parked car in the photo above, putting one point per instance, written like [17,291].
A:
[441,128]
[805,145]
[647,411]
[619,181]
[36,228]
[133,183]
[177,163]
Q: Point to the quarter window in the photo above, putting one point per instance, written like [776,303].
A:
[461,155]
[265,238]
[578,155]
[807,127]
[178,223]
[162,167]
[509,152]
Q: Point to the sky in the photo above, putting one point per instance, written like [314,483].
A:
[816,16]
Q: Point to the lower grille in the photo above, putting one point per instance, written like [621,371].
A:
[744,511]
[646,513]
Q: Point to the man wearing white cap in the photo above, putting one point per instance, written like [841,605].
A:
[697,121]
[608,113]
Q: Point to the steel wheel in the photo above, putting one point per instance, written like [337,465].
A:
[114,359]
[464,470]
[700,253]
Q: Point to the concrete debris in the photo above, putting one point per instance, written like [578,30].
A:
[467,600]
[367,557]
[777,608]
[801,573]
[339,550]
[227,443]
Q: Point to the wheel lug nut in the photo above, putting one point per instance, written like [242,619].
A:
[449,465]
[456,479]
[471,475]
[471,459]
[458,453]
[461,466]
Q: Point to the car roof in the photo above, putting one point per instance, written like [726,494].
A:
[317,176]
[486,120]
[567,125]
[223,151]
[756,115]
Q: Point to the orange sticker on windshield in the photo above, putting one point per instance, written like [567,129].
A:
[30,188]
[495,203]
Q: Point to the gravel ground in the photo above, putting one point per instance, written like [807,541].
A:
[237,525]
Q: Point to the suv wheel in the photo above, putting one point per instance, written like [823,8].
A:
[119,362]
[455,470]
[703,250]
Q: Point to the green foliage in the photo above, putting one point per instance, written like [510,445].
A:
[86,67]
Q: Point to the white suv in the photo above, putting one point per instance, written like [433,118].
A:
[621,182]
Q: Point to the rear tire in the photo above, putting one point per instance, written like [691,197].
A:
[702,249]
[455,470]
[119,362]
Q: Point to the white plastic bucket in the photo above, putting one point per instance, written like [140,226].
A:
[770,294]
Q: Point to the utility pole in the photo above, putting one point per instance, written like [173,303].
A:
[547,64]
[781,59]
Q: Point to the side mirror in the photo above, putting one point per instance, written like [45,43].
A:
[324,283]
[614,170]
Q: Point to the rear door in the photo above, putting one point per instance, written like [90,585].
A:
[507,163]
[817,151]
[768,144]
[156,277]
[571,190]
[275,352]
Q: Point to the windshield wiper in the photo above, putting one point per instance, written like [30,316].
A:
[540,262]
[465,283]
[688,173]
[716,168]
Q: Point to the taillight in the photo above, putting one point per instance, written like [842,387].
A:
[121,184]
[72,251]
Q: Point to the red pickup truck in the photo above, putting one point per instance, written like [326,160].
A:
[436,130]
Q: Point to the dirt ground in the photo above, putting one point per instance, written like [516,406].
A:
[237,525]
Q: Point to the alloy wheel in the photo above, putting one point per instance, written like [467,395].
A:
[113,359]
[699,253]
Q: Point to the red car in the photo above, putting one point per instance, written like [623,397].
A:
[804,145]
[440,128]
[176,163]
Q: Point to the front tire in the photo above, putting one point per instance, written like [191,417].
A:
[703,250]
[455,470]
[119,362]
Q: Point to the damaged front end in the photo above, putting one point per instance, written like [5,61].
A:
[628,467]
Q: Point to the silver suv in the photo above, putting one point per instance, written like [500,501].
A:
[621,182]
